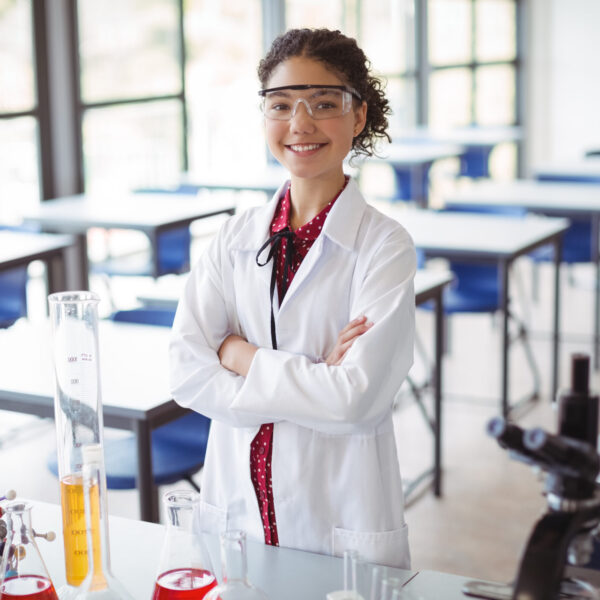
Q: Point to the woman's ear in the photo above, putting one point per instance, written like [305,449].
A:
[360,118]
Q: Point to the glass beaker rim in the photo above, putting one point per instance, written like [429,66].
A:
[18,506]
[74,297]
[181,498]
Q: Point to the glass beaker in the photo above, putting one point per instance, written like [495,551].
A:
[78,416]
[234,567]
[185,570]
[23,574]
[99,583]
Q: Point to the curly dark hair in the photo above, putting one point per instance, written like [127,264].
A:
[341,55]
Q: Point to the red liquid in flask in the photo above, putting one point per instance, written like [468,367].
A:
[184,584]
[28,587]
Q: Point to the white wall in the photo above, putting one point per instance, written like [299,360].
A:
[562,79]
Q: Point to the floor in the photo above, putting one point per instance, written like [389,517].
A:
[489,503]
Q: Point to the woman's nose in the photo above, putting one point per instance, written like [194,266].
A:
[301,119]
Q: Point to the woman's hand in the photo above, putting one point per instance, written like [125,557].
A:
[236,354]
[346,338]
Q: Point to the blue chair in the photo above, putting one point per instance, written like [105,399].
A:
[576,240]
[13,295]
[13,289]
[178,448]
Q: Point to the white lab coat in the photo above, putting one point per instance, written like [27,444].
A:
[336,479]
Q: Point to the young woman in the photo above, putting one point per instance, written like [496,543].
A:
[295,330]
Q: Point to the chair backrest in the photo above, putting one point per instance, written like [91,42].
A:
[13,295]
[174,251]
[146,316]
[576,242]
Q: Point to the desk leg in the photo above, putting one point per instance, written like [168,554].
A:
[555,332]
[503,274]
[596,259]
[145,481]
[78,265]
[437,382]
[153,237]
[56,272]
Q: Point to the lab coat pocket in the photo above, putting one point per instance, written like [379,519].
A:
[211,519]
[382,547]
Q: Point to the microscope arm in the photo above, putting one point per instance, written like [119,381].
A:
[545,556]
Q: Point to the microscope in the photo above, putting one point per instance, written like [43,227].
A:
[565,533]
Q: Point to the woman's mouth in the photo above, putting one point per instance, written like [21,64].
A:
[304,147]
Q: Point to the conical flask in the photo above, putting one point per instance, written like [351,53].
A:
[77,415]
[23,574]
[234,567]
[185,570]
[99,583]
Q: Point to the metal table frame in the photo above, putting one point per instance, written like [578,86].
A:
[541,197]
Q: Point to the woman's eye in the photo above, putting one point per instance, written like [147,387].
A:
[279,107]
[326,106]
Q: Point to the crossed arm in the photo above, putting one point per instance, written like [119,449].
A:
[236,353]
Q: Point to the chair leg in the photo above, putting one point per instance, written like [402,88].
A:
[189,479]
[416,392]
[535,282]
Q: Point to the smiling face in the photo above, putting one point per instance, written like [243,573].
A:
[307,147]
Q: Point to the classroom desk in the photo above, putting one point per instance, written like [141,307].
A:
[477,141]
[571,200]
[489,239]
[19,248]
[135,547]
[283,573]
[411,162]
[148,213]
[134,377]
[585,170]
[429,285]
[267,180]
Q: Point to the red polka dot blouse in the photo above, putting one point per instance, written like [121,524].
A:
[261,449]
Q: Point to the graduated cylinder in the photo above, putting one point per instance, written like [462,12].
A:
[78,417]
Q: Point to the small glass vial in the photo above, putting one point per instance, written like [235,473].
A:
[185,570]
[23,574]
[234,567]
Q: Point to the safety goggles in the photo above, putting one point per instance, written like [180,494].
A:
[320,101]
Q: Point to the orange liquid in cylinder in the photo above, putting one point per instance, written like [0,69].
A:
[74,531]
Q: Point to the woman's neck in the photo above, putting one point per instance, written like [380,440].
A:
[309,197]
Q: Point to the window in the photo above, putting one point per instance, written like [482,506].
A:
[19,179]
[162,86]
[131,93]
[472,47]
[224,45]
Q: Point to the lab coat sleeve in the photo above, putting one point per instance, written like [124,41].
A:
[197,378]
[358,393]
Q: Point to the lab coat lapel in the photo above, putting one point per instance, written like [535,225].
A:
[252,237]
[341,227]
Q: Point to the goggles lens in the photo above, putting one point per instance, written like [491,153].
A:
[321,102]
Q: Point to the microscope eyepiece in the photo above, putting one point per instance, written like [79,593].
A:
[564,455]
